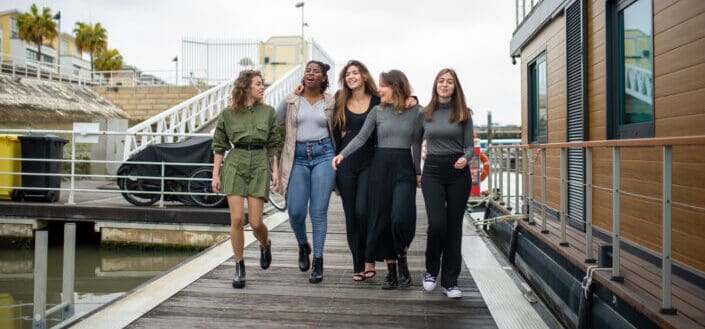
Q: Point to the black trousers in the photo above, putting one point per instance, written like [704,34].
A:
[445,192]
[352,179]
[392,203]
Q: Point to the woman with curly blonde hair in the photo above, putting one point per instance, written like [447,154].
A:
[248,130]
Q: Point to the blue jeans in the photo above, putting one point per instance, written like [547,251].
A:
[310,185]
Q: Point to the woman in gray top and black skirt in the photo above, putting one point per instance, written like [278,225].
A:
[447,125]
[392,204]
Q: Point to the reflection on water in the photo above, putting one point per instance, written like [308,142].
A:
[102,274]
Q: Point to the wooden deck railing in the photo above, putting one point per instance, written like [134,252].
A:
[501,156]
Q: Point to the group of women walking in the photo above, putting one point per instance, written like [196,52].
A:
[366,142]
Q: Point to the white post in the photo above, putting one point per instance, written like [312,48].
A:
[161,194]
[500,172]
[41,244]
[517,209]
[68,269]
[509,179]
[530,188]
[564,195]
[616,156]
[589,258]
[73,168]
[490,177]
[666,305]
[544,224]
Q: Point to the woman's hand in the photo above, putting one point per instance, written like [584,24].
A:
[215,183]
[299,90]
[411,101]
[418,181]
[461,163]
[336,161]
[275,180]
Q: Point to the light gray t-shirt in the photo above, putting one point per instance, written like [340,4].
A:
[394,130]
[311,121]
[443,137]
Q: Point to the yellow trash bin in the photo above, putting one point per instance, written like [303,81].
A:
[10,147]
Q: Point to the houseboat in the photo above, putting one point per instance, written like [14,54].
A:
[612,161]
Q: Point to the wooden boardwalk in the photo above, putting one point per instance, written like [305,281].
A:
[282,296]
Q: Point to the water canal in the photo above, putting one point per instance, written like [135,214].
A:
[103,273]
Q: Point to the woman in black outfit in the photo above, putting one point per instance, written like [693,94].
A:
[447,125]
[357,95]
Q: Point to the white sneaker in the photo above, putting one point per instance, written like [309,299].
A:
[429,282]
[453,292]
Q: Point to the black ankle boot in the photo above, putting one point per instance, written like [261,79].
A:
[265,257]
[391,281]
[239,280]
[317,272]
[304,262]
[404,276]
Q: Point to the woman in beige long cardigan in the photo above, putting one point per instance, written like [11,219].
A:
[306,175]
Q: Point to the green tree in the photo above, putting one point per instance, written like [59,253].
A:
[91,39]
[109,60]
[35,27]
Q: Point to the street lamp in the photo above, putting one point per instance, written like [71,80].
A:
[301,5]
[176,71]
[58,49]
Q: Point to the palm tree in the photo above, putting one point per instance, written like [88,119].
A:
[36,27]
[91,39]
[109,60]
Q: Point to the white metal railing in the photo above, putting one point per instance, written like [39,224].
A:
[528,154]
[523,8]
[276,92]
[186,117]
[27,68]
[638,83]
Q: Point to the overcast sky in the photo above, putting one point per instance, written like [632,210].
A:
[417,37]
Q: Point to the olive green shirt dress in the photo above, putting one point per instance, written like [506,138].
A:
[247,172]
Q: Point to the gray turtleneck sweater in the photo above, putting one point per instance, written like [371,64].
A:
[443,137]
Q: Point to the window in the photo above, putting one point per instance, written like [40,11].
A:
[538,100]
[630,88]
[14,31]
[33,55]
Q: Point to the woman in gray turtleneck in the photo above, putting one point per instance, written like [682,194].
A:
[446,124]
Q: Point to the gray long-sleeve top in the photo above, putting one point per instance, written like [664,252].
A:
[443,137]
[394,130]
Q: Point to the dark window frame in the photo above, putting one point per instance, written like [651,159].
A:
[532,105]
[613,77]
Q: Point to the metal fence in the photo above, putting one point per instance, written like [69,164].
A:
[523,199]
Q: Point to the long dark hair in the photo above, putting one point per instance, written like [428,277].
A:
[401,89]
[345,93]
[241,87]
[324,69]
[461,112]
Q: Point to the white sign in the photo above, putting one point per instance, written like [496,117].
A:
[86,132]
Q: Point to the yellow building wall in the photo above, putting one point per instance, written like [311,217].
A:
[5,26]
[283,53]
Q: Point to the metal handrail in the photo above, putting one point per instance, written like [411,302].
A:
[28,68]
[497,153]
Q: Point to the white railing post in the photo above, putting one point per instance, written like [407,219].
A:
[68,270]
[161,189]
[490,177]
[500,172]
[517,209]
[589,258]
[564,195]
[544,224]
[41,244]
[530,188]
[509,179]
[73,168]
[616,159]
[666,203]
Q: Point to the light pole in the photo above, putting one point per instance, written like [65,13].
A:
[58,48]
[176,71]
[301,5]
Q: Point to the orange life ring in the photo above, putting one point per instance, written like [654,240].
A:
[485,161]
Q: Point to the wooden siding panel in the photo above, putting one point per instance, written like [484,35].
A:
[681,34]
[693,124]
[679,105]
[679,82]
[683,57]
[677,13]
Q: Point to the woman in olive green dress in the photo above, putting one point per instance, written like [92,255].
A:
[248,130]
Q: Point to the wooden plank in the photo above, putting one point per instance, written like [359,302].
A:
[282,296]
[681,58]
[677,13]
[680,126]
[677,105]
[684,33]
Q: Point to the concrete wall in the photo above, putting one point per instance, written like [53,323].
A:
[142,103]
[109,147]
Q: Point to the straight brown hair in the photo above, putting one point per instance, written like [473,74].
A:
[401,89]
[345,93]
[460,112]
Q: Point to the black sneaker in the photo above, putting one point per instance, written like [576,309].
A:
[265,257]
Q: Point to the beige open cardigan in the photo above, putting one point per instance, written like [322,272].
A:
[287,158]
